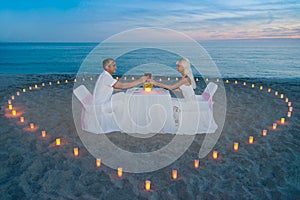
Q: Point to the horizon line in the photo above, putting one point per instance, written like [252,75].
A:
[227,39]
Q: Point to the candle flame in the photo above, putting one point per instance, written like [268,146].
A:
[98,162]
[196,163]
[215,154]
[251,139]
[75,151]
[57,141]
[236,146]
[147,185]
[264,133]
[32,125]
[120,171]
[274,126]
[174,174]
[44,134]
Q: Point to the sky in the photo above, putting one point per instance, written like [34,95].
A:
[96,20]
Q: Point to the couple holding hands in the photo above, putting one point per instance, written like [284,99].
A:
[104,111]
[106,83]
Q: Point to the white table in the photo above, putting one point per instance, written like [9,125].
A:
[148,112]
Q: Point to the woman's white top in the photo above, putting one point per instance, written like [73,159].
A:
[188,92]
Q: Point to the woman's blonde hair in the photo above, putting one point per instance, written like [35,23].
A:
[187,70]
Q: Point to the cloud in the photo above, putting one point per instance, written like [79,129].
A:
[94,20]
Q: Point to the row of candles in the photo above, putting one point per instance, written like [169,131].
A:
[174,174]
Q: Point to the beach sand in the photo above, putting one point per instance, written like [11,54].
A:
[32,167]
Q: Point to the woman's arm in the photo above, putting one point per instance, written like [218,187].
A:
[170,87]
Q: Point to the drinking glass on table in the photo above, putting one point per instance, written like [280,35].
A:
[149,75]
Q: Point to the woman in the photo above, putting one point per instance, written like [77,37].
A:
[186,84]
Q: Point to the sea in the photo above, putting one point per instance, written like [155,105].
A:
[255,58]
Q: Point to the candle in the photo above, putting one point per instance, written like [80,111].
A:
[196,163]
[169,78]
[98,162]
[197,79]
[35,86]
[120,171]
[251,139]
[160,80]
[14,112]
[236,146]
[215,154]
[66,81]
[76,80]
[148,89]
[57,141]
[9,101]
[264,133]
[261,87]
[206,79]
[235,82]
[274,126]
[269,90]
[147,185]
[174,174]
[44,134]
[252,85]
[291,109]
[31,125]
[50,83]
[281,96]
[43,84]
[13,97]
[132,78]
[289,104]
[176,78]
[218,80]
[227,81]
[22,119]
[10,107]
[30,88]
[286,100]
[244,83]
[282,120]
[58,82]
[18,93]
[276,93]
[289,114]
[24,90]
[75,151]
[92,78]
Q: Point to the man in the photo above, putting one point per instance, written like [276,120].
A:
[108,107]
[106,83]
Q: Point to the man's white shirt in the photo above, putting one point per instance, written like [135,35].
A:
[104,88]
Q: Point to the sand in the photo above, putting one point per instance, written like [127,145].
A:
[32,167]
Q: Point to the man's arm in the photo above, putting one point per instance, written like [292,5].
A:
[126,85]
